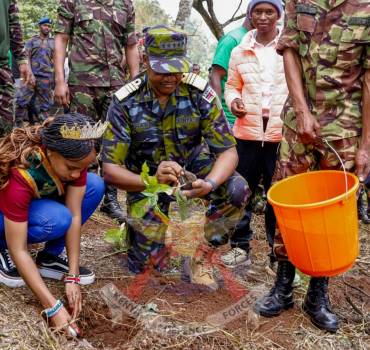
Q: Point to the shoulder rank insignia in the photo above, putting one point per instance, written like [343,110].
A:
[209,95]
[194,80]
[128,89]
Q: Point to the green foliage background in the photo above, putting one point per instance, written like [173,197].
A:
[148,13]
[31,11]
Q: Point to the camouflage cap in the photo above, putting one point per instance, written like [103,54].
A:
[166,50]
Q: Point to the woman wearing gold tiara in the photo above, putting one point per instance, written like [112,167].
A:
[46,195]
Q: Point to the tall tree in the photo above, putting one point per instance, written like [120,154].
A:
[183,15]
[150,13]
[209,16]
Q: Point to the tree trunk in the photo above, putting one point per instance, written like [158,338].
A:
[209,17]
[183,15]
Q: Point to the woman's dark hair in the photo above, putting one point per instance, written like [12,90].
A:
[52,138]
[22,144]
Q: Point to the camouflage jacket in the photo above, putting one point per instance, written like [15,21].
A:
[191,130]
[332,38]
[10,33]
[41,54]
[99,30]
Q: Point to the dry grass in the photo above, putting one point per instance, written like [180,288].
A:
[21,326]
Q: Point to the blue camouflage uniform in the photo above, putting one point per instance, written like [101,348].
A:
[40,53]
[191,131]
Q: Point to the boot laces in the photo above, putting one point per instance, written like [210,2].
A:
[116,205]
[322,293]
[283,281]
[63,256]
[9,260]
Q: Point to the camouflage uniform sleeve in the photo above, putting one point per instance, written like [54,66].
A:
[28,47]
[130,36]
[15,31]
[214,126]
[367,57]
[117,138]
[65,19]
[290,34]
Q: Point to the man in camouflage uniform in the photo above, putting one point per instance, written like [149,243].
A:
[10,38]
[98,31]
[173,121]
[40,51]
[326,48]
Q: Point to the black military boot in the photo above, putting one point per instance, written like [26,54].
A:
[280,296]
[317,305]
[110,205]
[362,212]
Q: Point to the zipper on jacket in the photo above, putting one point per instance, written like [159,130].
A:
[265,121]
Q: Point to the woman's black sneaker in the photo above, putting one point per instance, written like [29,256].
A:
[55,267]
[8,272]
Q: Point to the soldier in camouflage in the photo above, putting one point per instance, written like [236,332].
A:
[326,48]
[98,31]
[40,51]
[173,120]
[10,38]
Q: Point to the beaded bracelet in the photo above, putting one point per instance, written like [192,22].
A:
[52,311]
[69,279]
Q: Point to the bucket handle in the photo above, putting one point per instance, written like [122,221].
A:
[326,142]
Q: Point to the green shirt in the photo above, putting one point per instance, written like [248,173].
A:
[222,58]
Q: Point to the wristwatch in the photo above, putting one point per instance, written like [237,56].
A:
[213,184]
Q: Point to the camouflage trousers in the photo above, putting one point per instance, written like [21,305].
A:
[296,158]
[41,95]
[6,100]
[91,101]
[224,210]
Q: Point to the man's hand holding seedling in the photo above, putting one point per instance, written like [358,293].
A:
[168,172]
[200,188]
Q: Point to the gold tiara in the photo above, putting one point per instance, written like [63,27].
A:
[86,132]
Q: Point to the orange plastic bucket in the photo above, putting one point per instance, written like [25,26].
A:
[317,216]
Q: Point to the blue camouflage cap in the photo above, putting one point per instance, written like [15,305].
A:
[45,20]
[166,49]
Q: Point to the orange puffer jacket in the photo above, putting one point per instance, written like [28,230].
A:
[244,81]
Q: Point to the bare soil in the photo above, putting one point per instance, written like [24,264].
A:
[189,305]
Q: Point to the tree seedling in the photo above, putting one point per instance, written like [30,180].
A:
[153,189]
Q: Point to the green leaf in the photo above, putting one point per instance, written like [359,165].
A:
[163,188]
[145,174]
[140,208]
[153,201]
[117,236]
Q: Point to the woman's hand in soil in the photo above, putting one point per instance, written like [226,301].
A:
[74,297]
[63,320]
[237,108]
[168,172]
[200,189]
